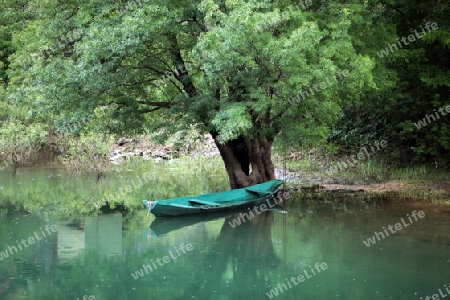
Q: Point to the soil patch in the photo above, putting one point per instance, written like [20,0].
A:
[390,186]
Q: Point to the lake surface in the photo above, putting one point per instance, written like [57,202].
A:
[55,248]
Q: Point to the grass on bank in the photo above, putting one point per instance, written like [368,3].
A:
[373,170]
[428,183]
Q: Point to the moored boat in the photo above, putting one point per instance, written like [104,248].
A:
[222,201]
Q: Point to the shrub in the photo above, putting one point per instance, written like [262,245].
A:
[19,144]
[88,153]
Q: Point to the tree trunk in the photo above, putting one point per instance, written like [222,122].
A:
[247,160]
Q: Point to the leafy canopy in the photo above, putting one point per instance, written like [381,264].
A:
[230,67]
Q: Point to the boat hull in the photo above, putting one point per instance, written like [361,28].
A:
[209,203]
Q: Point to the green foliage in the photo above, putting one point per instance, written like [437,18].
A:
[234,68]
[357,127]
[19,143]
[13,16]
[87,154]
[415,82]
[187,141]
[230,68]
[5,109]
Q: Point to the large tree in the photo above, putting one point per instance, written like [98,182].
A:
[243,71]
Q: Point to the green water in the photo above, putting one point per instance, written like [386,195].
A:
[102,256]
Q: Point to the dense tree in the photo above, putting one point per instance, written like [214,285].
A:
[20,139]
[410,113]
[424,81]
[14,14]
[244,71]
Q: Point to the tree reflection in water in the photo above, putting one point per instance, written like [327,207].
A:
[242,258]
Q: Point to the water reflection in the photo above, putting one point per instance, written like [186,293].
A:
[97,255]
[100,234]
[71,242]
[236,261]
[242,258]
[163,226]
[103,234]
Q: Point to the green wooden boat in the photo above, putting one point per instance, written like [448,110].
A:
[249,196]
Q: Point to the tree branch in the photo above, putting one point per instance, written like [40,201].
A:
[155,103]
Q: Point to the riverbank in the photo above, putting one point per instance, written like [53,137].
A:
[377,175]
[309,171]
